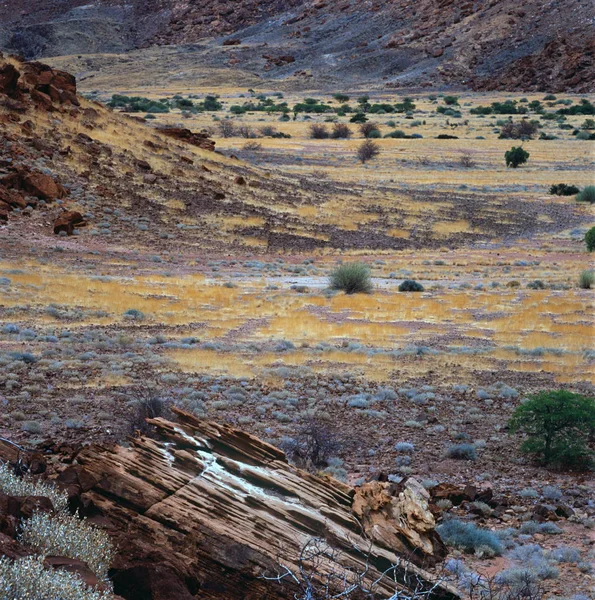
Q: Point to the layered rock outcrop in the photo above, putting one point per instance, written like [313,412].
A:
[207,509]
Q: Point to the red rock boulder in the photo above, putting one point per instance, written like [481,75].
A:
[68,221]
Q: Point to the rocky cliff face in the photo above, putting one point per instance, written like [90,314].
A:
[205,507]
[480,44]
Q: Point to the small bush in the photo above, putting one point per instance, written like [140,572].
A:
[409,285]
[469,538]
[318,131]
[341,131]
[590,239]
[522,130]
[561,189]
[367,151]
[227,128]
[587,279]
[516,157]
[369,130]
[462,452]
[352,278]
[558,425]
[587,195]
[134,314]
[404,447]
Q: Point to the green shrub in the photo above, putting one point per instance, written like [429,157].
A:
[557,425]
[352,278]
[515,157]
[586,279]
[590,239]
[561,189]
[469,538]
[587,195]
[411,286]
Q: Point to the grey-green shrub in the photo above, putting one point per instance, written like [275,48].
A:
[28,579]
[62,534]
[586,195]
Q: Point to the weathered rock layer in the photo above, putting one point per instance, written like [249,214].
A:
[207,509]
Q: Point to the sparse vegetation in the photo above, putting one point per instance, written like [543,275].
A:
[352,278]
[557,425]
[587,195]
[515,157]
[467,537]
[367,150]
[590,239]
[587,279]
[409,285]
[561,189]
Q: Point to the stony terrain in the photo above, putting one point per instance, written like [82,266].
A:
[479,44]
[149,264]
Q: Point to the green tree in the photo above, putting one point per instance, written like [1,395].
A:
[516,156]
[558,425]
[590,239]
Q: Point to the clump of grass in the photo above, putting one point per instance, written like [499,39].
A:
[587,195]
[462,452]
[586,280]
[467,537]
[352,278]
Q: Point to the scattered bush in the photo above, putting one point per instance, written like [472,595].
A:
[409,285]
[352,278]
[134,314]
[587,279]
[462,452]
[369,130]
[313,446]
[469,538]
[227,128]
[587,195]
[558,425]
[561,189]
[516,157]
[252,146]
[521,130]
[318,131]
[590,239]
[341,131]
[367,151]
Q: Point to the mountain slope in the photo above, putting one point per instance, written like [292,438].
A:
[480,44]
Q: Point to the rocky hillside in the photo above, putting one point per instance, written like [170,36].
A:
[479,44]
